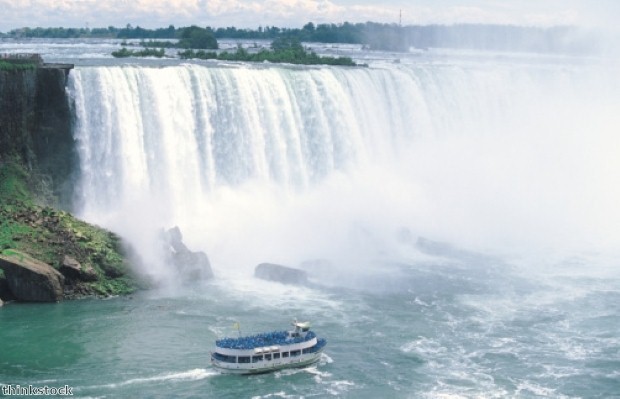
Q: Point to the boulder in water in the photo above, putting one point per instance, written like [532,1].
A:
[174,238]
[5,292]
[30,279]
[447,250]
[281,274]
[191,265]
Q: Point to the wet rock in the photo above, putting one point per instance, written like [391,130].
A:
[175,240]
[5,292]
[72,269]
[281,274]
[30,279]
[191,265]
[447,250]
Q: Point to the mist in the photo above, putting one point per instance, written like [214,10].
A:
[509,157]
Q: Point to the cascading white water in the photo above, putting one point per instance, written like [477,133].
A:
[285,164]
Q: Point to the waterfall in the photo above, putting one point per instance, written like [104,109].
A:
[261,163]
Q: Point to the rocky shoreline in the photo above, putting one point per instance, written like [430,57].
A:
[49,255]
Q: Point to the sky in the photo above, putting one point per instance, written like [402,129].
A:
[295,13]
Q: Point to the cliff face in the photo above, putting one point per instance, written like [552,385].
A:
[67,257]
[17,105]
[35,125]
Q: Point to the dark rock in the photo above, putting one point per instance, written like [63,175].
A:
[447,250]
[281,274]
[191,265]
[175,239]
[30,279]
[35,125]
[73,270]
[5,293]
[78,290]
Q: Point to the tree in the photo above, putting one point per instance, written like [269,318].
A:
[287,43]
[309,27]
[198,38]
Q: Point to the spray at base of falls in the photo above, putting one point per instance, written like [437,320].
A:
[288,164]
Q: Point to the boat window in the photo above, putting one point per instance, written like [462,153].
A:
[295,353]
[267,357]
[257,358]
[284,354]
[276,355]
[244,359]
[224,358]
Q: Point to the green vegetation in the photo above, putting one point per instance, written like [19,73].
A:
[284,50]
[199,54]
[16,66]
[48,235]
[372,35]
[13,184]
[156,44]
[193,37]
[124,52]
[198,38]
[326,33]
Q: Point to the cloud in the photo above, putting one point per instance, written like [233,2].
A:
[251,13]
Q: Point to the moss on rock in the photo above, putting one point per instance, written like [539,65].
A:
[49,235]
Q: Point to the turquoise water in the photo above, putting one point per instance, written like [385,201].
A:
[446,330]
[515,155]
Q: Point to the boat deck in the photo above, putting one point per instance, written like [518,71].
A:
[273,338]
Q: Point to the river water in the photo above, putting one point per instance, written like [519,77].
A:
[456,213]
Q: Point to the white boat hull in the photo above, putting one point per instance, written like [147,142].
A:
[266,366]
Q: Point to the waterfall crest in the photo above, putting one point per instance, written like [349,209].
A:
[285,160]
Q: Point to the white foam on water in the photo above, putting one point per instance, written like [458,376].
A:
[190,375]
[529,387]
[267,294]
[286,165]
[337,388]
[280,394]
[427,348]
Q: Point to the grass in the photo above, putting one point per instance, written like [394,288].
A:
[17,66]
[297,55]
[148,52]
[119,286]
[48,235]
[13,185]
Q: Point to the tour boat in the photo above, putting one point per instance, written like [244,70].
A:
[269,351]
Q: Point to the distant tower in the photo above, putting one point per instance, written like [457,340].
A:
[400,18]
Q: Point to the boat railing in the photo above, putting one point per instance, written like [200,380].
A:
[262,339]
[320,344]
